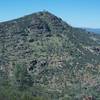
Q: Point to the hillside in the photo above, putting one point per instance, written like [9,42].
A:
[43,56]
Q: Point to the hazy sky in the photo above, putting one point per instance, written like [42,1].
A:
[79,13]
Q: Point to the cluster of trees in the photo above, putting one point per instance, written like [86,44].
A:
[18,87]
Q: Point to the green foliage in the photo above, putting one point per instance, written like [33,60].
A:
[12,94]
[22,78]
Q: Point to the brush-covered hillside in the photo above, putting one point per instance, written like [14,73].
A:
[44,58]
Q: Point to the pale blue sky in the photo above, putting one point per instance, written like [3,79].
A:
[78,13]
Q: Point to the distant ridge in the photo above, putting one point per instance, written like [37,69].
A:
[94,30]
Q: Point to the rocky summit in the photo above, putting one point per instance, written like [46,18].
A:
[44,58]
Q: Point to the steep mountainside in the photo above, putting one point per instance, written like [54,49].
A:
[61,62]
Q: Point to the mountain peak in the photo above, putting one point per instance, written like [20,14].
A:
[49,57]
[41,21]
